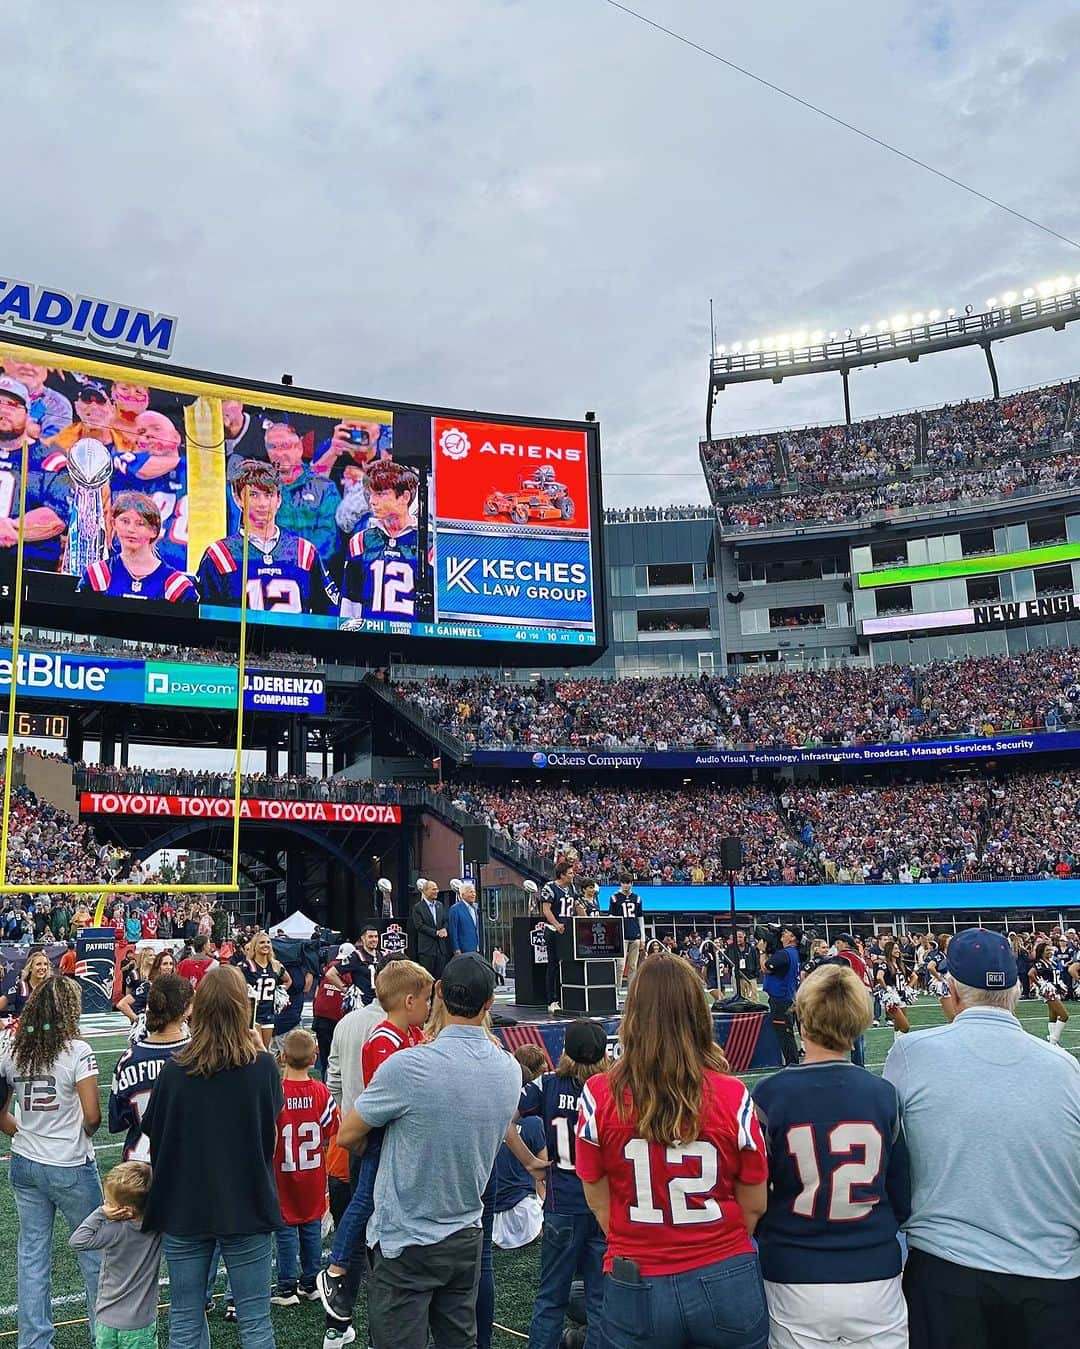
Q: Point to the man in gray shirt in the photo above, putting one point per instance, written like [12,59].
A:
[446,1107]
[991,1116]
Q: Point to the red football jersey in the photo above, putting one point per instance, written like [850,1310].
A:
[857,963]
[193,969]
[385,1040]
[673,1209]
[308,1120]
[329,1002]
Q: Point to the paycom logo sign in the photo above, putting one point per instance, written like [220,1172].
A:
[173,685]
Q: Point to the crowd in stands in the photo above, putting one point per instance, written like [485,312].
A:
[623,515]
[46,845]
[846,706]
[973,450]
[70,644]
[206,782]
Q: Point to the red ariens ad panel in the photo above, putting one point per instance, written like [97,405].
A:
[497,473]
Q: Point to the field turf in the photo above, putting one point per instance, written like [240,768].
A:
[301,1327]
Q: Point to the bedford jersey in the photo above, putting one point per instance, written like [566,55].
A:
[309,1119]
[47,487]
[287,577]
[379,580]
[133,1080]
[673,1208]
[838,1175]
[628,908]
[169,494]
[113,578]
[555,1101]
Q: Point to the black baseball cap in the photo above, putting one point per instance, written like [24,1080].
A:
[845,937]
[468,984]
[92,392]
[982,959]
[586,1041]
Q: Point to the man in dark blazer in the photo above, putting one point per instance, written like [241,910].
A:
[430,923]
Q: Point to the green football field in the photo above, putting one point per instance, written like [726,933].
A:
[301,1327]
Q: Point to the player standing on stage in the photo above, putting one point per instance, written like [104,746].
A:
[285,573]
[627,904]
[379,581]
[839,1184]
[557,900]
[137,572]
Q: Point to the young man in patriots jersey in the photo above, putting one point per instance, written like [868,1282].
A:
[379,580]
[572,1236]
[839,1183]
[156,465]
[48,487]
[285,573]
[137,572]
[557,900]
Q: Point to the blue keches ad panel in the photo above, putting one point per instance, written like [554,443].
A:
[538,579]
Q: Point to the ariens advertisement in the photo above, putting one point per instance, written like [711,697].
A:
[156,683]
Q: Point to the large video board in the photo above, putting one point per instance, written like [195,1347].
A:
[394,522]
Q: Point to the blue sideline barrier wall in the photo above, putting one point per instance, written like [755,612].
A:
[977,895]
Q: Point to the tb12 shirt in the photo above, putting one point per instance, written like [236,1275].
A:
[839,1181]
[555,1101]
[628,907]
[47,1108]
[133,1080]
[673,1208]
[309,1118]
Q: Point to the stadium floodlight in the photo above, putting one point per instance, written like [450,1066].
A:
[916,320]
[934,315]
[783,342]
[1045,289]
[992,302]
[1062,285]
[817,336]
[950,313]
[1029,293]
[1078,279]
[1009,297]
[883,325]
[736,348]
[753,345]
[864,330]
[720,349]
[799,339]
[969,309]
[899,323]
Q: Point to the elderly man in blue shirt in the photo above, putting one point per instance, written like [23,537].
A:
[991,1116]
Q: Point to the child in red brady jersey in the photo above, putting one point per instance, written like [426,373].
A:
[309,1118]
[404,990]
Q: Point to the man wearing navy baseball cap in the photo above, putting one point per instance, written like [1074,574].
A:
[992,1121]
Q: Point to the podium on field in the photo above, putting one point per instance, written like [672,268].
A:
[590,957]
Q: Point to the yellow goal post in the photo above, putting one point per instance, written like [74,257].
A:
[128,889]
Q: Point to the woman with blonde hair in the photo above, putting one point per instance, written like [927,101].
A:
[35,971]
[137,985]
[54,1076]
[218,1098]
[673,1165]
[265,975]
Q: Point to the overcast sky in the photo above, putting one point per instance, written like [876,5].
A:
[526,205]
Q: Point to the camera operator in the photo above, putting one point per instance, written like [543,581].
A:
[780,982]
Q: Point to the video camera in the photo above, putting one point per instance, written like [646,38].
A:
[769,933]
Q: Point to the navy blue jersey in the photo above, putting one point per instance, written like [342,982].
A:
[560,899]
[287,577]
[554,1100]
[379,580]
[17,994]
[48,487]
[512,1182]
[169,493]
[133,1080]
[289,1017]
[628,908]
[839,1185]
[113,578]
[361,969]
[262,982]
[140,997]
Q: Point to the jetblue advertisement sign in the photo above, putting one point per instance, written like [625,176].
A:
[81,316]
[538,579]
[102,679]
[917,751]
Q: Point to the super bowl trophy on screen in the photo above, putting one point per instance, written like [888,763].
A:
[89,467]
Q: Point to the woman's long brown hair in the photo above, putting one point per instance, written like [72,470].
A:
[49,1021]
[220,1024]
[667,1043]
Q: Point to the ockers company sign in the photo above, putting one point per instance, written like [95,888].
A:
[253,808]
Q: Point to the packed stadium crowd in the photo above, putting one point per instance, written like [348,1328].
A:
[207,782]
[70,644]
[622,515]
[977,449]
[846,706]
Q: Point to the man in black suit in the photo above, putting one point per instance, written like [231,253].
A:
[429,920]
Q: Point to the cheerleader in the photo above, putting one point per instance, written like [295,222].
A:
[892,988]
[134,1006]
[34,973]
[268,983]
[936,967]
[1046,984]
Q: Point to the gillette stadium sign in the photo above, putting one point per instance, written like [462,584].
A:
[59,313]
[158,683]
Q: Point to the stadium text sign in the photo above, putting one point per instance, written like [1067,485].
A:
[783,756]
[101,679]
[252,808]
[1003,615]
[25,305]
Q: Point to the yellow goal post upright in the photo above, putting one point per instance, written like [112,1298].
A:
[9,766]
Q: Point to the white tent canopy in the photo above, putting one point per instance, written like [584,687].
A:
[297,926]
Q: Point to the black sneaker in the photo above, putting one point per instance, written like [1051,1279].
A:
[230,1310]
[308,1291]
[285,1295]
[333,1295]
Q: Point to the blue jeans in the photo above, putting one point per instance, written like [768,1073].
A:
[39,1191]
[211,1278]
[485,1288]
[247,1261]
[569,1239]
[303,1240]
[352,1229]
[858,1052]
[720,1306]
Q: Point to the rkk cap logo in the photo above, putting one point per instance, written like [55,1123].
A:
[454,444]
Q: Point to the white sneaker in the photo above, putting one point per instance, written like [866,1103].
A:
[554,1007]
[335,1339]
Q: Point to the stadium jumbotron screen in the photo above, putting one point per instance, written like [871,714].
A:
[391,522]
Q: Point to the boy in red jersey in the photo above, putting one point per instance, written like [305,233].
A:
[404,990]
[309,1118]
